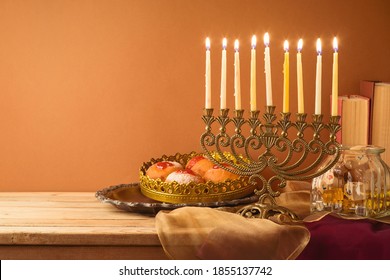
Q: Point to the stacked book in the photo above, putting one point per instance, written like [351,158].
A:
[365,118]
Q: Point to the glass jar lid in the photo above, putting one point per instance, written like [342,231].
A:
[369,149]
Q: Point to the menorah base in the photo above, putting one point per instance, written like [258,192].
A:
[272,211]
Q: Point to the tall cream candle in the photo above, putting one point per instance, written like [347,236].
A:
[335,81]
[237,84]
[317,110]
[223,75]
[286,79]
[301,108]
[208,75]
[253,75]
[267,65]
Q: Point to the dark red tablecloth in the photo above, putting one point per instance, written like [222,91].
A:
[334,238]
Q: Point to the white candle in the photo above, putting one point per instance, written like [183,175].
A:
[318,79]
[208,75]
[253,75]
[286,79]
[237,85]
[301,108]
[335,82]
[267,64]
[223,75]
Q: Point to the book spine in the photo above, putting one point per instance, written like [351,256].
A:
[367,89]
[339,134]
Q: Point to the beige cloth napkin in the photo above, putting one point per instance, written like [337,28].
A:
[206,233]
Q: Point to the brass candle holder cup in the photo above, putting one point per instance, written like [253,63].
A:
[259,147]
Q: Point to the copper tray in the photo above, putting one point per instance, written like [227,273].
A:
[128,197]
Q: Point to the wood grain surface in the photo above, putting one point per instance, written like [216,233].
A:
[60,225]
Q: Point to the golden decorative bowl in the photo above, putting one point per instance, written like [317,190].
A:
[192,192]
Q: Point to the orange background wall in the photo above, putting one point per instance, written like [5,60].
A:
[91,89]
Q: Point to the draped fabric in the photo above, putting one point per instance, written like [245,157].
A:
[209,233]
[335,238]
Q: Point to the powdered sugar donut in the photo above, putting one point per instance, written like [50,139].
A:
[184,176]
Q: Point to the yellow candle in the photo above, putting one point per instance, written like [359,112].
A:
[208,75]
[335,82]
[223,75]
[301,108]
[267,64]
[286,79]
[253,75]
[237,85]
[318,79]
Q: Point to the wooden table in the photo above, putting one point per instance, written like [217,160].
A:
[73,225]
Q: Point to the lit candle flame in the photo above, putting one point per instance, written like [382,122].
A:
[207,43]
[300,45]
[266,39]
[319,49]
[285,45]
[236,45]
[224,43]
[335,44]
[254,41]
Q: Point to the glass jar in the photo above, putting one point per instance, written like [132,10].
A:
[357,185]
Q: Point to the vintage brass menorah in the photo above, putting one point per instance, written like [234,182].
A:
[270,144]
